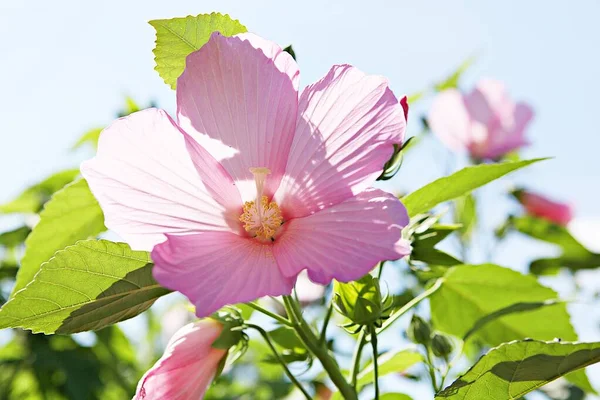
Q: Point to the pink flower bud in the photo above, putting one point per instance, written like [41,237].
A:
[539,206]
[187,367]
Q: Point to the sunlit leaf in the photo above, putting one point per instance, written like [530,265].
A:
[547,231]
[15,237]
[395,396]
[459,184]
[87,286]
[513,308]
[517,368]
[451,81]
[71,214]
[34,197]
[390,363]
[466,214]
[90,137]
[472,292]
[178,37]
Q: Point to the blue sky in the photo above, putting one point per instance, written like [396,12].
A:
[67,65]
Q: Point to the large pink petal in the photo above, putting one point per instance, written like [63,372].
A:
[449,120]
[187,367]
[238,97]
[347,125]
[149,184]
[344,241]
[214,269]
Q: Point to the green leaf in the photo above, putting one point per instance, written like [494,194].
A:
[390,363]
[395,396]
[433,235]
[514,369]
[513,308]
[547,231]
[292,347]
[434,257]
[178,37]
[466,214]
[15,237]
[90,137]
[472,292]
[551,266]
[451,82]
[33,198]
[423,245]
[575,255]
[130,107]
[87,286]
[71,214]
[287,339]
[458,184]
[8,270]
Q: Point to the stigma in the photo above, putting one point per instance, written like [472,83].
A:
[261,218]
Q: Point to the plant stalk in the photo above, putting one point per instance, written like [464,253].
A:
[318,349]
[289,374]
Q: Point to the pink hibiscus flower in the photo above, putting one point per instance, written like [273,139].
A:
[485,122]
[254,184]
[542,207]
[187,367]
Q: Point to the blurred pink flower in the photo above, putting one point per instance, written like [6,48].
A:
[542,207]
[485,122]
[254,183]
[187,367]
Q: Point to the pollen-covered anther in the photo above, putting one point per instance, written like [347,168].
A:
[262,222]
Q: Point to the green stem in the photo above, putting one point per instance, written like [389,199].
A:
[318,349]
[361,341]
[375,362]
[431,371]
[323,336]
[279,318]
[289,374]
[410,305]
[380,269]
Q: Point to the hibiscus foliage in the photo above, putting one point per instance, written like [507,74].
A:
[67,274]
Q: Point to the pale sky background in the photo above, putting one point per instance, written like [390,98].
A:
[65,67]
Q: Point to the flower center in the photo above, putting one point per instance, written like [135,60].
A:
[261,217]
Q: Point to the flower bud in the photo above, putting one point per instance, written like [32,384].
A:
[360,301]
[441,346]
[419,330]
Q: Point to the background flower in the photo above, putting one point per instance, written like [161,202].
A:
[485,122]
[543,207]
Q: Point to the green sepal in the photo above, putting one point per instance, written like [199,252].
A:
[361,302]
[290,51]
[392,166]
[230,318]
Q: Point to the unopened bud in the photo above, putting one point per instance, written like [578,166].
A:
[360,301]
[441,346]
[419,330]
